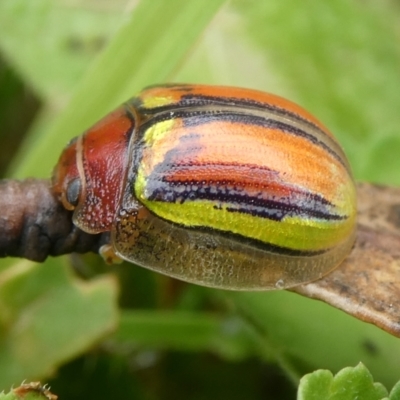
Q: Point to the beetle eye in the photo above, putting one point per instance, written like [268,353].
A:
[73,191]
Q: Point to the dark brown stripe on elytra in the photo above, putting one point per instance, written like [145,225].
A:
[192,118]
[175,87]
[236,199]
[250,104]
[197,100]
[258,244]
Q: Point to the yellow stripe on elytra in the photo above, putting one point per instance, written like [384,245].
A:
[157,136]
[156,132]
[292,232]
[150,102]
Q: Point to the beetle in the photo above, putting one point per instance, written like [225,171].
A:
[221,186]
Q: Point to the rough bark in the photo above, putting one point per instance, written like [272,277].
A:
[34,225]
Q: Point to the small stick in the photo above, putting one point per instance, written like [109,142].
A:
[34,225]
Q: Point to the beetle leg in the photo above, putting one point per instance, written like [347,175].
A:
[108,254]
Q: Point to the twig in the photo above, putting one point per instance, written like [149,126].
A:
[34,225]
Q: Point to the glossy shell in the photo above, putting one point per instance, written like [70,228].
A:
[220,186]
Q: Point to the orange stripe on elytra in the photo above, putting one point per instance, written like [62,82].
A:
[269,154]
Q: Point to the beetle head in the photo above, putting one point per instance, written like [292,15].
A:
[91,171]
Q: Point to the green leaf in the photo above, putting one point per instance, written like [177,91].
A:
[395,392]
[350,383]
[48,317]
[29,391]
[146,50]
[294,327]
[384,148]
[184,331]
[50,42]
[8,396]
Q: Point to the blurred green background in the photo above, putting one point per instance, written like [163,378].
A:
[124,332]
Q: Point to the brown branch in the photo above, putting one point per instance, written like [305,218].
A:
[34,225]
[366,285]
